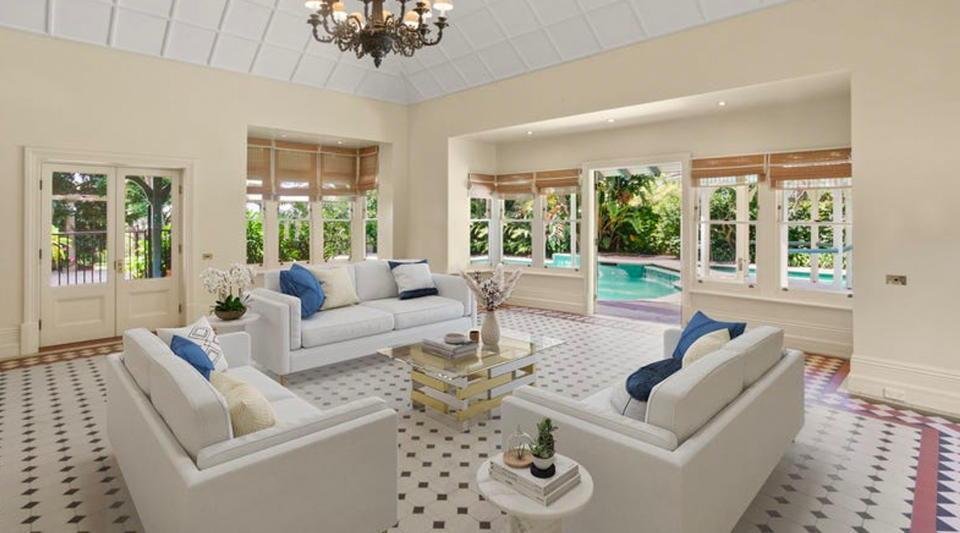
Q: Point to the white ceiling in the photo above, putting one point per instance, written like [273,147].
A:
[488,40]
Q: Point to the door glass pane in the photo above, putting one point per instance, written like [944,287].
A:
[78,232]
[148,211]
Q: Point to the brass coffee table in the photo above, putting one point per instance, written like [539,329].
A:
[465,388]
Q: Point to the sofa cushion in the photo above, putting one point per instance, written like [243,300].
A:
[270,389]
[300,282]
[640,383]
[701,325]
[250,411]
[192,353]
[705,345]
[617,400]
[375,281]
[413,279]
[338,287]
[418,311]
[201,333]
[761,347]
[192,409]
[687,400]
[343,324]
[140,348]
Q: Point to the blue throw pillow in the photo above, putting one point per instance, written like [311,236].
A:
[701,325]
[300,282]
[641,382]
[192,353]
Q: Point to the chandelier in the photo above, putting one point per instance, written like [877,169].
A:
[377,32]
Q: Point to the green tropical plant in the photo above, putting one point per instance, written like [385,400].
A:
[544,446]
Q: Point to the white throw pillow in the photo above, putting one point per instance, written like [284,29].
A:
[411,277]
[249,409]
[337,287]
[624,404]
[707,344]
[201,333]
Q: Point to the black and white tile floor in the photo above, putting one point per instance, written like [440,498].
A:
[849,471]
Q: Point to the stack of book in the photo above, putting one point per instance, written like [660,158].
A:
[544,491]
[450,351]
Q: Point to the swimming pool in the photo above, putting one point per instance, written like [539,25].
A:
[623,281]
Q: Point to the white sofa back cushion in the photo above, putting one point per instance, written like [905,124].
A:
[601,417]
[762,347]
[688,399]
[271,278]
[193,410]
[140,348]
[374,281]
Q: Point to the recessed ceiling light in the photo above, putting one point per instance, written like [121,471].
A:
[722,103]
[283,136]
[529,132]
[611,120]
[339,142]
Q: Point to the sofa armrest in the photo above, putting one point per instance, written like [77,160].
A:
[455,288]
[236,348]
[235,448]
[671,337]
[270,334]
[292,302]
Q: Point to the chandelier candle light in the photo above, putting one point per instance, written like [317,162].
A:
[377,32]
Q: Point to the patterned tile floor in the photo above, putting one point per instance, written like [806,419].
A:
[856,466]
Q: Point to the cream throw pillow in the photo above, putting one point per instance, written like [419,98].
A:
[337,287]
[249,410]
[705,345]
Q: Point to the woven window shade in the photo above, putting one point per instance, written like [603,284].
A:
[710,171]
[565,181]
[369,161]
[812,169]
[520,184]
[482,185]
[295,170]
[338,171]
[258,171]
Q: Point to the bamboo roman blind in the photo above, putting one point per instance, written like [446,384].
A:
[276,168]
[812,169]
[565,181]
[728,170]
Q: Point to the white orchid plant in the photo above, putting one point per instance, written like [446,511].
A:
[229,286]
[494,290]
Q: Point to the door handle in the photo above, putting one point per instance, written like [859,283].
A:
[118,266]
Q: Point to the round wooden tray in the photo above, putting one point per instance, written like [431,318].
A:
[511,460]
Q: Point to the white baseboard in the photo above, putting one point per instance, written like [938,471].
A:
[9,342]
[576,308]
[816,345]
[919,386]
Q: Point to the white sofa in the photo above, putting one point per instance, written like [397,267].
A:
[713,433]
[284,343]
[331,471]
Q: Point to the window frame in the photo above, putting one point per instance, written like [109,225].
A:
[842,277]
[742,222]
[573,220]
[351,222]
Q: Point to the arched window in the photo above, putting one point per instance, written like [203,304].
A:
[727,233]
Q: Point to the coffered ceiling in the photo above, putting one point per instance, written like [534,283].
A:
[489,40]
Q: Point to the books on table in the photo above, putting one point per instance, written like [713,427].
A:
[544,491]
[445,349]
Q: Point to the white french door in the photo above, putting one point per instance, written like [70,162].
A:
[110,252]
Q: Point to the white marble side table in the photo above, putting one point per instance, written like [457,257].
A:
[232,326]
[527,515]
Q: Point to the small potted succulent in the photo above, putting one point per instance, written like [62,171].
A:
[230,288]
[544,453]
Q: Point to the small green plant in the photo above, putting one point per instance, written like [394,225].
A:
[228,304]
[544,447]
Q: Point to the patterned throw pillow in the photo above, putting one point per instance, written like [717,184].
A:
[201,333]
[249,409]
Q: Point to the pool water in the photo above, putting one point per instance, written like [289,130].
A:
[621,281]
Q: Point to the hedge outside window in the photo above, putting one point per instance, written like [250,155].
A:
[480,217]
[517,231]
[336,213]
[370,224]
[293,218]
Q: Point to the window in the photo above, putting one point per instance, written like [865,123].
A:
[370,224]
[817,234]
[727,236]
[293,216]
[480,217]
[517,231]
[254,230]
[561,221]
[336,213]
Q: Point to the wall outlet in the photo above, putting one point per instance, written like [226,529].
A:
[894,394]
[896,279]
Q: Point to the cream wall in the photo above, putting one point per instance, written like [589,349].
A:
[66,95]
[905,104]
[817,322]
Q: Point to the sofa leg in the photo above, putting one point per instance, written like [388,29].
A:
[283,380]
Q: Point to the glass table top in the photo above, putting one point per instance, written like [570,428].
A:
[514,345]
